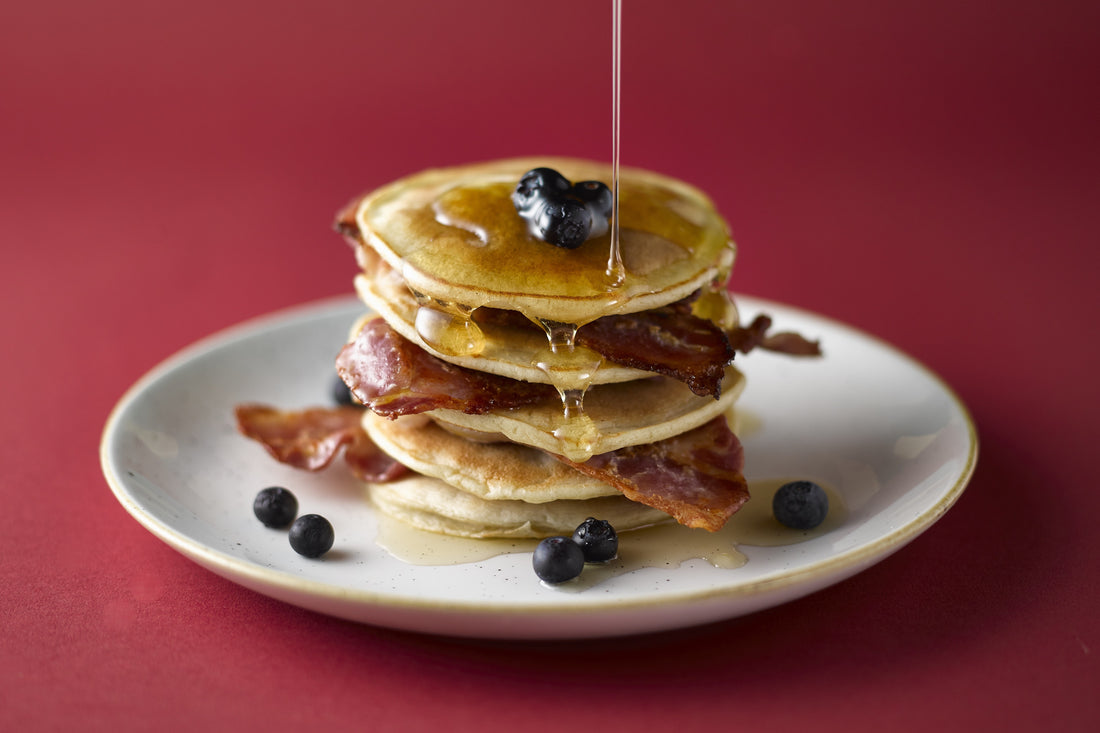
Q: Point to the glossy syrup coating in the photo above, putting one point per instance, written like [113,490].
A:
[455,237]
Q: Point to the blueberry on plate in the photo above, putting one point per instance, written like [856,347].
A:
[558,559]
[597,540]
[275,507]
[311,535]
[341,393]
[800,505]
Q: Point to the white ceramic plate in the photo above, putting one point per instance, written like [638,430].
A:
[885,433]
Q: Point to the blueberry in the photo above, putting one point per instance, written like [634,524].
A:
[537,182]
[563,222]
[597,540]
[560,213]
[341,393]
[595,195]
[800,505]
[597,199]
[275,506]
[311,535]
[558,559]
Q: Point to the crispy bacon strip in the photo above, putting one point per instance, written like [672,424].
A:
[369,463]
[747,338]
[695,477]
[395,377]
[669,341]
[345,222]
[673,342]
[311,438]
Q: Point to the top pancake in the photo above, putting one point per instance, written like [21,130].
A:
[454,235]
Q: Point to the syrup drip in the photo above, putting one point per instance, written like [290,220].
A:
[616,272]
[447,327]
[715,304]
[570,369]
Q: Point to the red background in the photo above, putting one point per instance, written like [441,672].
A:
[927,171]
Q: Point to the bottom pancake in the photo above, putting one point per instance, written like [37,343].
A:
[489,470]
[430,504]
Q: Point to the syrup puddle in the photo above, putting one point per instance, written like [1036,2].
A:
[420,547]
[661,546]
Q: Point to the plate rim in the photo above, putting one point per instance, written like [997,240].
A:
[828,570]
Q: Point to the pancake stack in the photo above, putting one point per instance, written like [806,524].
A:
[469,308]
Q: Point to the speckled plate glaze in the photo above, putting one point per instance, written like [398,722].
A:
[888,435]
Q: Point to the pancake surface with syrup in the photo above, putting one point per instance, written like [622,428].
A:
[454,236]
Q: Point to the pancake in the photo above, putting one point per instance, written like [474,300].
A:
[430,504]
[485,466]
[507,350]
[615,416]
[456,240]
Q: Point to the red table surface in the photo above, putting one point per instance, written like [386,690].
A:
[926,171]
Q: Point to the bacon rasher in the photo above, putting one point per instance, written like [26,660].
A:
[747,338]
[311,438]
[395,377]
[672,342]
[694,477]
[667,341]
